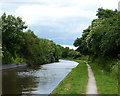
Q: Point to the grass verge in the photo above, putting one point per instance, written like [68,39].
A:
[75,82]
[106,84]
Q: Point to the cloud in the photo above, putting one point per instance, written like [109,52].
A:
[81,3]
[1,12]
[47,12]
[63,33]
[60,20]
[34,14]
[70,46]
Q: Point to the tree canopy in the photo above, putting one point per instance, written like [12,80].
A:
[102,38]
[19,46]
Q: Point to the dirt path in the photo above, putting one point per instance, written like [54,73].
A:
[91,87]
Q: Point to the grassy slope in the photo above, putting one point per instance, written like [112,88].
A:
[105,82]
[75,82]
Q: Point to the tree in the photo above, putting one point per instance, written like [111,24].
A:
[65,52]
[73,54]
[102,37]
[19,46]
[12,33]
[105,13]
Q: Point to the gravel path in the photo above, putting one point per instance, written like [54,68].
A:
[91,87]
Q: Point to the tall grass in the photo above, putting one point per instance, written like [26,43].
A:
[107,81]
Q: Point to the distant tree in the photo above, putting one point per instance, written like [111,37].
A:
[65,52]
[73,54]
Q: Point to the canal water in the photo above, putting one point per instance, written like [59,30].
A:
[40,80]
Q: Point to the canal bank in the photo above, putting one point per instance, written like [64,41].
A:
[75,82]
[42,80]
[9,66]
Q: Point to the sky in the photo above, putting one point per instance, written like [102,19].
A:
[59,20]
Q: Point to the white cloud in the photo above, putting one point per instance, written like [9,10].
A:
[1,12]
[70,46]
[81,3]
[36,13]
[47,12]
[56,16]
[119,6]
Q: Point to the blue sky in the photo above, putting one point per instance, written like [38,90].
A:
[59,20]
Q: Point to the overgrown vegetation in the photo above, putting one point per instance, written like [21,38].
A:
[70,53]
[106,83]
[101,43]
[101,40]
[19,46]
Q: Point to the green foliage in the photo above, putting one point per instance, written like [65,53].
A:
[115,69]
[105,13]
[7,58]
[65,52]
[19,46]
[82,44]
[12,33]
[77,42]
[69,53]
[104,38]
[101,40]
[74,54]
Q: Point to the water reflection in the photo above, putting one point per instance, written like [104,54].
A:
[19,81]
[39,80]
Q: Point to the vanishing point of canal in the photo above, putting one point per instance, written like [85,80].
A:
[40,80]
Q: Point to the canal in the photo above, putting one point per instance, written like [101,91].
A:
[35,80]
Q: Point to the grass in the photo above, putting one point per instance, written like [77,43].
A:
[106,83]
[75,82]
